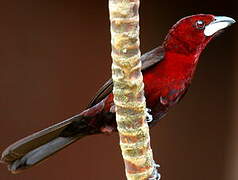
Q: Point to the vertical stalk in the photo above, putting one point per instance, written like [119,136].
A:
[128,89]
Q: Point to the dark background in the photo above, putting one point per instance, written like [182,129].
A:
[54,55]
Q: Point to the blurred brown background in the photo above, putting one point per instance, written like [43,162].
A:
[54,55]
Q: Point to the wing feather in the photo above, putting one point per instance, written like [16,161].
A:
[148,60]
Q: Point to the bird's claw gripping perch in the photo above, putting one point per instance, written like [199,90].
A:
[149,117]
[155,174]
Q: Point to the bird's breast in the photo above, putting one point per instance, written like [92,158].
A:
[166,82]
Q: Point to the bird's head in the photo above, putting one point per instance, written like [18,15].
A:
[191,34]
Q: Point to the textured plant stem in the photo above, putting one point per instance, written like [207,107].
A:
[128,89]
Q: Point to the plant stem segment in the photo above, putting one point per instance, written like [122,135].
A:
[128,89]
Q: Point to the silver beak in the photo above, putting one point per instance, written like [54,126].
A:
[219,23]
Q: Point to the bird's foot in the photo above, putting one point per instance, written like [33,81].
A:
[113,109]
[155,174]
[149,117]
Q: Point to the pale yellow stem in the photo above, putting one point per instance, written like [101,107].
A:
[128,89]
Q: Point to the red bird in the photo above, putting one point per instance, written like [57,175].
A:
[167,70]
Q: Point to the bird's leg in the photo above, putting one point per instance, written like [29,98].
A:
[113,109]
[155,175]
[149,117]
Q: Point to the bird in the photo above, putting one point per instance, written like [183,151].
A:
[167,74]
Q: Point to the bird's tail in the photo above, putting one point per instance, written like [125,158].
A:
[33,149]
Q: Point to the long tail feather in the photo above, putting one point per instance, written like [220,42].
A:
[33,149]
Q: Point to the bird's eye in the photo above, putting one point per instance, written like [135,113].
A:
[200,24]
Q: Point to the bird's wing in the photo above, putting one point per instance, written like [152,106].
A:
[148,60]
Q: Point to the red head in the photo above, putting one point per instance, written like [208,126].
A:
[191,34]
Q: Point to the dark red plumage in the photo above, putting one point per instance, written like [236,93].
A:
[167,72]
[167,81]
